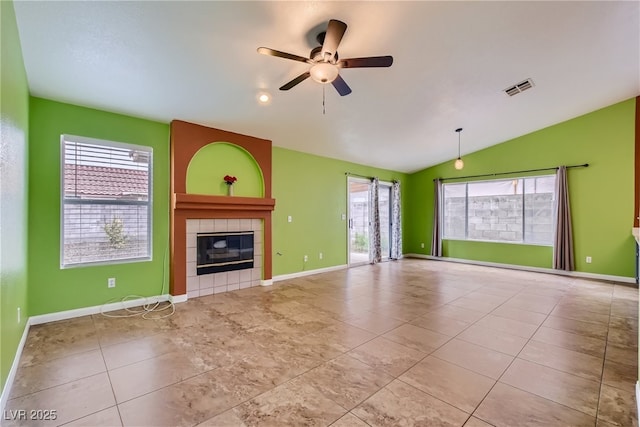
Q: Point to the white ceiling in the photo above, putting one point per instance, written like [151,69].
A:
[197,61]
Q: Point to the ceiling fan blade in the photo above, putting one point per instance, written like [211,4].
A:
[335,31]
[372,61]
[292,83]
[341,86]
[279,54]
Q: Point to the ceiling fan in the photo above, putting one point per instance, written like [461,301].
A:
[325,64]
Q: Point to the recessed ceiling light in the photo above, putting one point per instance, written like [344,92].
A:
[264,98]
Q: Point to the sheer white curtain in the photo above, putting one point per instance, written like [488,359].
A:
[436,236]
[375,249]
[563,243]
[396,222]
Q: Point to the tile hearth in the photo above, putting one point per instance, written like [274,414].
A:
[398,343]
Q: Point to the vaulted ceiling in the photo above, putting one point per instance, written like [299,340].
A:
[197,61]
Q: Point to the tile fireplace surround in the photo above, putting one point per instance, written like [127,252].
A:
[215,283]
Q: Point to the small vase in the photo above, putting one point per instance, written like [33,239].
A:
[229,189]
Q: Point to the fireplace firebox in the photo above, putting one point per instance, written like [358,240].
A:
[224,251]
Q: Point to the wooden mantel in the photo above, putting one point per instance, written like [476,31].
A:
[182,201]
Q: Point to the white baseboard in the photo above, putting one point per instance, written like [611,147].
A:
[96,309]
[178,298]
[579,274]
[596,276]
[308,272]
[267,282]
[6,391]
[638,396]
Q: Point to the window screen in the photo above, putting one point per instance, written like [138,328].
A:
[106,201]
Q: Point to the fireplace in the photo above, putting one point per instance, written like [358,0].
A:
[224,251]
[199,285]
[205,213]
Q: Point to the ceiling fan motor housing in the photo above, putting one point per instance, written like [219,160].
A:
[316,55]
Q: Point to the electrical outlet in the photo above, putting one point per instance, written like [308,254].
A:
[343,216]
[111,282]
[289,218]
[19,317]
[306,258]
[320,255]
[588,260]
[422,245]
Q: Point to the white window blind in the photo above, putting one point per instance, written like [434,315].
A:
[106,201]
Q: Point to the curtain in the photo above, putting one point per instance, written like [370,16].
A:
[563,242]
[375,249]
[436,236]
[396,223]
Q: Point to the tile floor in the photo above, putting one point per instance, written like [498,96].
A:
[413,342]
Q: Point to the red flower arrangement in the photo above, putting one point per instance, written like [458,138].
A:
[229,180]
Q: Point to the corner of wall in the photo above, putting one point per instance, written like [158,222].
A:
[14,142]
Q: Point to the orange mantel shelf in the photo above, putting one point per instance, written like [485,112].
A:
[183,201]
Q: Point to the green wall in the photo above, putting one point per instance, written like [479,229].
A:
[14,121]
[313,191]
[212,162]
[52,289]
[516,254]
[601,195]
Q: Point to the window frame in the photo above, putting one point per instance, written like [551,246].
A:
[388,186]
[64,138]
[466,219]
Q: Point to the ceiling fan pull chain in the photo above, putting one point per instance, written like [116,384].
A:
[323,98]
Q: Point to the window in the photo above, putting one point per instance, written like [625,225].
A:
[517,210]
[106,202]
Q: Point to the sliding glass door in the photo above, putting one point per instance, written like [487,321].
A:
[359,218]
[360,214]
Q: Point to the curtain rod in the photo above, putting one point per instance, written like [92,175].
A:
[359,176]
[586,165]
[367,177]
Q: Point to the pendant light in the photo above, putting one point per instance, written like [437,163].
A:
[459,164]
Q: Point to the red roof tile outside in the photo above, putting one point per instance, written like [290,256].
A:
[104,182]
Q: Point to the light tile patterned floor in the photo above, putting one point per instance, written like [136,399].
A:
[413,342]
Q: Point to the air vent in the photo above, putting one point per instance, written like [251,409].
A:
[520,87]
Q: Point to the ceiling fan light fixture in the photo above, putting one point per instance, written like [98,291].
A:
[324,72]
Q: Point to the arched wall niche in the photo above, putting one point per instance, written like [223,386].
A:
[193,197]
[211,163]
